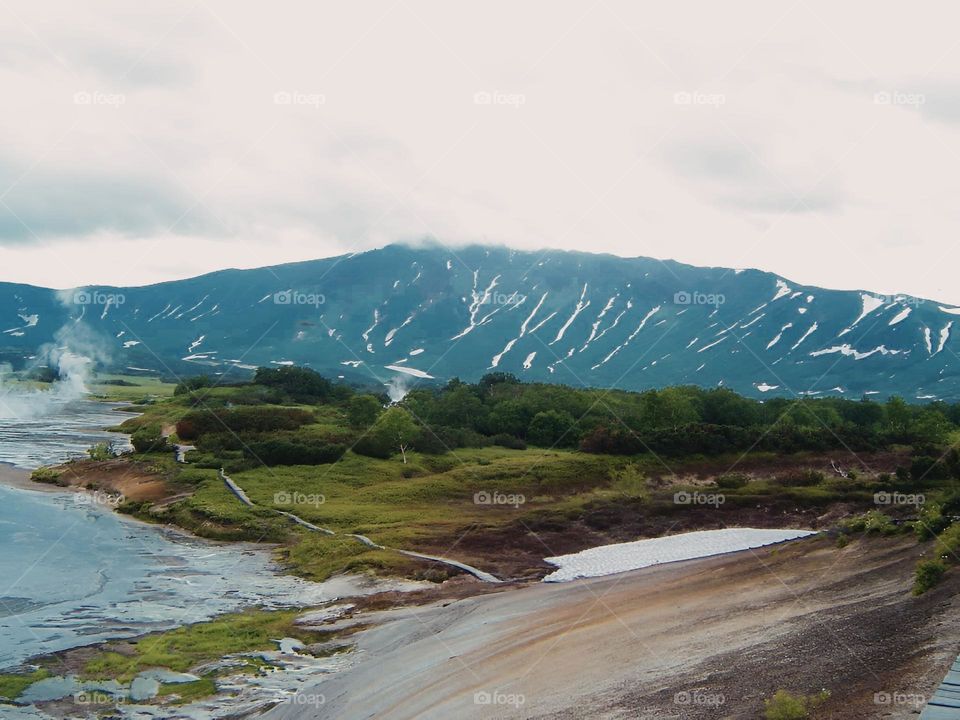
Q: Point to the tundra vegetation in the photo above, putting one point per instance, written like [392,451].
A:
[607,462]
[573,468]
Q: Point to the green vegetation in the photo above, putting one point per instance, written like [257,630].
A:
[187,647]
[786,706]
[12,686]
[132,389]
[928,574]
[100,451]
[408,474]
[191,691]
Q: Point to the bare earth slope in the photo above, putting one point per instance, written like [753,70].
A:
[708,638]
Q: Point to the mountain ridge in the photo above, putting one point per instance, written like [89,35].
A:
[431,313]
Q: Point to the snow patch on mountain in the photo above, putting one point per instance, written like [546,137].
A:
[849,351]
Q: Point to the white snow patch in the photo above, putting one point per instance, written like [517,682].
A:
[528,363]
[744,327]
[870,303]
[927,341]
[131,343]
[621,557]
[944,336]
[804,336]
[581,306]
[900,316]
[163,311]
[779,335]
[409,371]
[846,349]
[949,311]
[763,387]
[716,342]
[352,363]
[782,290]
[416,352]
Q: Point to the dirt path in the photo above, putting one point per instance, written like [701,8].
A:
[703,639]
[244,498]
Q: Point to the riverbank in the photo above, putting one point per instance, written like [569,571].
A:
[20,479]
[688,640]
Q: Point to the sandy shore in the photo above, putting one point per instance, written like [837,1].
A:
[19,478]
[701,639]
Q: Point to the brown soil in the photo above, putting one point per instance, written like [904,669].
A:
[134,480]
[665,642]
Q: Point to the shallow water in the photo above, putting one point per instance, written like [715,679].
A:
[73,572]
[36,430]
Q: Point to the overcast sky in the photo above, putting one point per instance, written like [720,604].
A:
[155,140]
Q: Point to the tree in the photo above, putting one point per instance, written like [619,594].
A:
[397,430]
[362,411]
[550,427]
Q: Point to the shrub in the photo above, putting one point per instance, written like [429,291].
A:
[45,475]
[732,481]
[300,384]
[149,440]
[804,478]
[283,452]
[931,521]
[552,427]
[786,706]
[100,451]
[242,419]
[873,522]
[928,574]
[509,441]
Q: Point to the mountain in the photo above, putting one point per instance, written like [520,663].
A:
[555,316]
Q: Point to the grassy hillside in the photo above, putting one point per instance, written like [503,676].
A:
[501,474]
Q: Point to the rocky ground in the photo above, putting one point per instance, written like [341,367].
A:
[703,639]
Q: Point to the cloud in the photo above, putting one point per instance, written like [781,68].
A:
[77,202]
[200,167]
[737,177]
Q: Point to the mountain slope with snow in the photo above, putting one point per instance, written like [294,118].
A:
[575,318]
